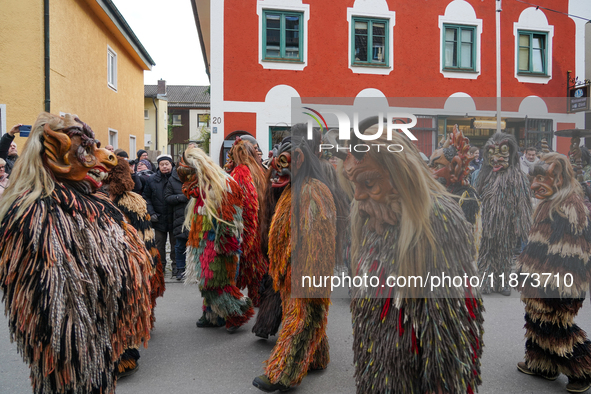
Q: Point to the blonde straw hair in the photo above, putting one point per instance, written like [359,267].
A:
[416,190]
[29,175]
[211,180]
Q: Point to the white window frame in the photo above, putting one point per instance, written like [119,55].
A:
[111,73]
[116,144]
[372,11]
[533,20]
[284,5]
[146,114]
[180,120]
[132,147]
[460,13]
[3,118]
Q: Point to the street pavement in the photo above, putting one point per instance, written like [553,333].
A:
[183,359]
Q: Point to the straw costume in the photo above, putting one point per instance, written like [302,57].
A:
[72,271]
[559,243]
[450,166]
[302,344]
[506,209]
[407,339]
[243,167]
[216,227]
[134,209]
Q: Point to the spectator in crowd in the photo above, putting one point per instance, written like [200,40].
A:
[160,212]
[174,197]
[110,148]
[192,144]
[143,169]
[3,176]
[528,160]
[143,155]
[477,162]
[8,148]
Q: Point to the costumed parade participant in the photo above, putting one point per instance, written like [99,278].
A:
[403,224]
[71,270]
[559,246]
[268,318]
[243,167]
[302,344]
[215,224]
[506,210]
[450,166]
[134,209]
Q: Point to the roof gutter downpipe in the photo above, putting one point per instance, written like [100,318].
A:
[155,106]
[46,53]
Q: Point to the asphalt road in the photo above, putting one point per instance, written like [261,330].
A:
[183,359]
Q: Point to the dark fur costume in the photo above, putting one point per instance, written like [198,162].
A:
[134,208]
[75,289]
[268,318]
[559,246]
[506,212]
[419,345]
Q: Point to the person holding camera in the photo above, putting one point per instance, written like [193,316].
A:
[8,148]
[160,212]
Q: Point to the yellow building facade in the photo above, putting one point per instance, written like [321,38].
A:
[96,68]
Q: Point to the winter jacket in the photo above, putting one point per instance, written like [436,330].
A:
[174,197]
[5,142]
[139,183]
[160,212]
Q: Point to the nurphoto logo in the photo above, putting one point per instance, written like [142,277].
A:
[345,128]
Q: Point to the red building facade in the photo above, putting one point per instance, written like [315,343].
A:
[264,52]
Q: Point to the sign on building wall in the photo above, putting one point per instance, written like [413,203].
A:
[578,99]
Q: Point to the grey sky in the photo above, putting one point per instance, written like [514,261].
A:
[167,30]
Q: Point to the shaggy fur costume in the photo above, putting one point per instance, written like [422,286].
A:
[135,211]
[419,345]
[213,251]
[252,264]
[76,289]
[302,344]
[268,318]
[506,212]
[561,245]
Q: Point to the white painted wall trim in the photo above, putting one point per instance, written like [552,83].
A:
[3,117]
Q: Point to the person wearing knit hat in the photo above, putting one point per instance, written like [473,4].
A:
[164,157]
[121,153]
[160,212]
[143,155]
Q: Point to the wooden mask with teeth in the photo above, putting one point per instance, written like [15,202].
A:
[72,151]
